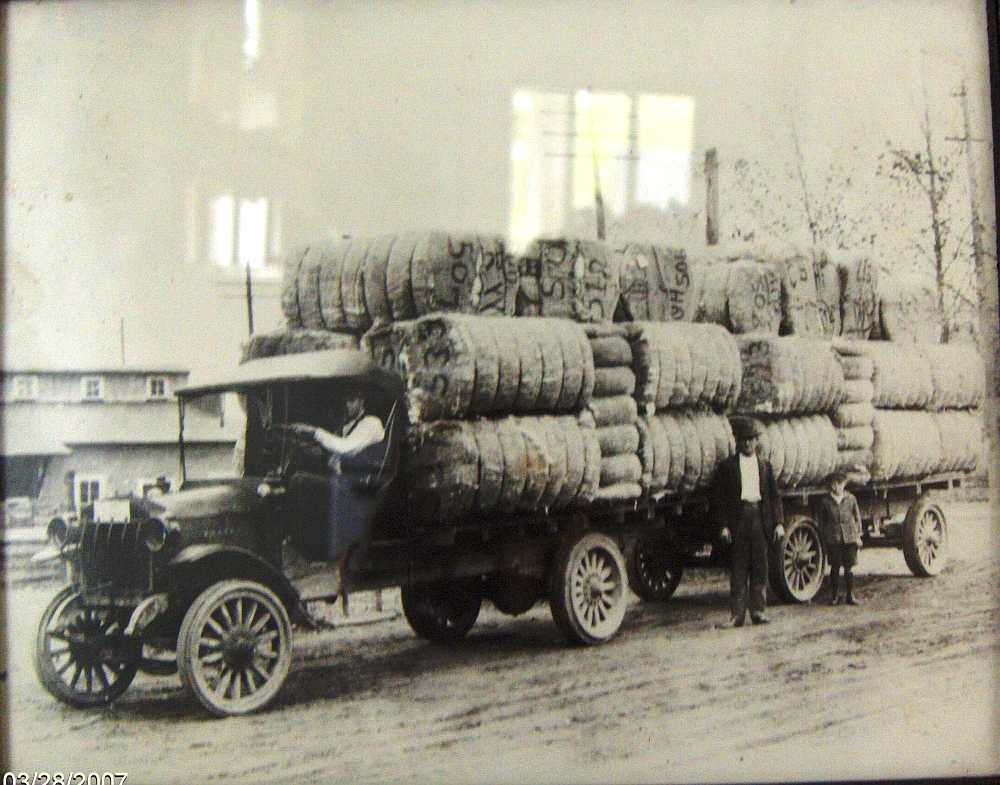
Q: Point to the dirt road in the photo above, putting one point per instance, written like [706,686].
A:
[906,685]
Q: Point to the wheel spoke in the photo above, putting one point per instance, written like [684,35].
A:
[252,614]
[89,674]
[211,659]
[226,616]
[264,619]
[211,644]
[69,663]
[103,677]
[216,626]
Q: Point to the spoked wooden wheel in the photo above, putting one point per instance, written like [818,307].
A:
[442,612]
[655,569]
[587,588]
[925,538]
[799,561]
[235,647]
[81,656]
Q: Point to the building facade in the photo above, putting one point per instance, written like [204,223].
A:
[72,436]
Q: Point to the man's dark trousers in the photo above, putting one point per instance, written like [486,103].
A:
[749,563]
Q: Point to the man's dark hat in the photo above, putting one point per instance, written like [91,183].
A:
[745,428]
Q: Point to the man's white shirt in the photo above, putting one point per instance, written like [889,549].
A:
[749,478]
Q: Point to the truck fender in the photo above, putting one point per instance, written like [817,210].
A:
[202,565]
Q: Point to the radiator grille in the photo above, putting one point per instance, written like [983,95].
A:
[112,557]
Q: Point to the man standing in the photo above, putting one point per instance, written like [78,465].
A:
[748,508]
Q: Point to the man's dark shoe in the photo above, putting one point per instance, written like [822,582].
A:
[760,619]
[733,622]
[835,600]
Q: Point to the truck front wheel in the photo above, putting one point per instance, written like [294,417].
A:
[925,538]
[234,647]
[588,588]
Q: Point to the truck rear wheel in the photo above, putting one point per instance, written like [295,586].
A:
[442,612]
[925,538]
[798,561]
[654,568]
[588,588]
[235,647]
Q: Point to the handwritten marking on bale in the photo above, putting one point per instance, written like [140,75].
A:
[572,279]
[859,297]
[494,290]
[292,263]
[799,308]
[828,294]
[788,375]
[753,298]
[283,342]
[658,284]
[957,376]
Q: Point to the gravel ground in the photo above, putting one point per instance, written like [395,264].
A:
[906,685]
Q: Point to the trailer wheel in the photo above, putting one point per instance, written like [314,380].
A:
[234,647]
[798,561]
[442,612]
[925,538]
[654,569]
[81,657]
[587,588]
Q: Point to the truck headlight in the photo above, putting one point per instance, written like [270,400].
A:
[156,532]
[62,531]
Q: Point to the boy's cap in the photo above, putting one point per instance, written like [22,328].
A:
[840,476]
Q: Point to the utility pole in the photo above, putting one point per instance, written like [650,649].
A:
[986,278]
[249,300]
[712,196]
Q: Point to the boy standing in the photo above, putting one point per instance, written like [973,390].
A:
[840,525]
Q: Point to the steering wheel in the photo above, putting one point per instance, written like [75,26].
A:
[300,435]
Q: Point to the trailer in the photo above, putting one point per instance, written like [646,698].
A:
[200,572]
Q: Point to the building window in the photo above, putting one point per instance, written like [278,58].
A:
[244,232]
[88,490]
[25,388]
[156,388]
[92,388]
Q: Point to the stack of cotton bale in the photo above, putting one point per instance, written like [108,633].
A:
[614,413]
[567,278]
[908,310]
[496,412]
[791,385]
[854,417]
[686,376]
[742,294]
[925,398]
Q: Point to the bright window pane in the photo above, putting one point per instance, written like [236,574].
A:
[221,218]
[253,232]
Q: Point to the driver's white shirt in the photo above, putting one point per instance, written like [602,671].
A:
[749,478]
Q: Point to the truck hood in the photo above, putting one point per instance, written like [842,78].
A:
[229,497]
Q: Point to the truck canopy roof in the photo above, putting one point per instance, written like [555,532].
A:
[329,364]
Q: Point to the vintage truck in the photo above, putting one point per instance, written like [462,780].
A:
[200,573]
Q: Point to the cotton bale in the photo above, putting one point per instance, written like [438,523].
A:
[788,375]
[827,280]
[658,283]
[859,297]
[291,264]
[802,450]
[902,378]
[851,415]
[800,314]
[907,444]
[682,450]
[908,310]
[753,297]
[858,437]
[281,342]
[961,436]
[957,375]
[568,278]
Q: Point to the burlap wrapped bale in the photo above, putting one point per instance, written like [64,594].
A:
[856,368]
[852,415]
[858,391]
[456,366]
[802,450]
[283,342]
[617,469]
[658,284]
[618,439]
[800,314]
[684,366]
[611,351]
[352,287]
[858,437]
[908,310]
[859,297]
[713,302]
[291,264]
[907,445]
[615,410]
[309,288]
[957,376]
[753,297]
[788,375]
[961,435]
[398,281]
[508,465]
[613,381]
[827,279]
[855,462]
[902,378]
[682,450]
[571,279]
[444,271]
